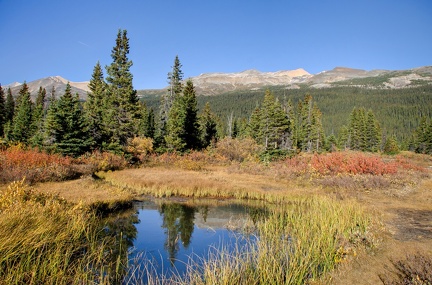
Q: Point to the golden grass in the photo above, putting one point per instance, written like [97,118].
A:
[216,182]
[45,240]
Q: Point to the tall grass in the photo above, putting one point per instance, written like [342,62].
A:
[295,244]
[44,240]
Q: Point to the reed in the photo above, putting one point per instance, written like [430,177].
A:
[45,240]
[296,244]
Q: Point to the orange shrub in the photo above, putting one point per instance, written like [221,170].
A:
[351,163]
[17,163]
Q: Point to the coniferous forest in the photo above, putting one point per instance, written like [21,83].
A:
[283,122]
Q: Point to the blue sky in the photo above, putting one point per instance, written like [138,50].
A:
[41,38]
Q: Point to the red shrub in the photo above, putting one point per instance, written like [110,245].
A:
[17,163]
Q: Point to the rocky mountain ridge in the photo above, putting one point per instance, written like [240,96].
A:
[217,83]
[56,82]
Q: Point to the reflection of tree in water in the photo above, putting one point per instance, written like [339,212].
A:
[122,231]
[178,220]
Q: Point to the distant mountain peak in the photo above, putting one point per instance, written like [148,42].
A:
[57,83]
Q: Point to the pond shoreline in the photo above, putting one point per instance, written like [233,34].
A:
[118,189]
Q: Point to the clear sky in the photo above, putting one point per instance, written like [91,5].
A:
[41,38]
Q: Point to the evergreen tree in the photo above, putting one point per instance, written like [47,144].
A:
[192,131]
[317,137]
[274,125]
[208,126]
[121,112]
[2,111]
[331,142]
[9,106]
[182,126]
[254,124]
[175,126]
[391,146]
[22,122]
[65,125]
[310,133]
[373,133]
[175,78]
[94,107]
[343,137]
[38,118]
[364,132]
[423,137]
[147,122]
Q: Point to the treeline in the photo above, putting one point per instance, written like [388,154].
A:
[284,121]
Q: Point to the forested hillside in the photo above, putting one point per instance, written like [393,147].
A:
[397,110]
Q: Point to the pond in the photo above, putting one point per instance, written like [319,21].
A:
[169,235]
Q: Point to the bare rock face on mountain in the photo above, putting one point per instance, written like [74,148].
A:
[56,82]
[214,83]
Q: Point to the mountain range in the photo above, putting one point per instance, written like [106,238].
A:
[218,83]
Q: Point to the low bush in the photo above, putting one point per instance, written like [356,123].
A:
[238,149]
[104,161]
[36,166]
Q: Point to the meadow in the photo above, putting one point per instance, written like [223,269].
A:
[335,218]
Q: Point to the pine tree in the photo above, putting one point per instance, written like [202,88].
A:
[22,122]
[9,106]
[254,124]
[373,133]
[310,134]
[182,126]
[65,125]
[364,132]
[274,123]
[317,137]
[391,146]
[423,137]
[175,79]
[2,111]
[208,126]
[94,107]
[147,122]
[121,112]
[38,118]
[192,132]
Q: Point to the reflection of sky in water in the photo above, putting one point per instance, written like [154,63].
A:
[152,236]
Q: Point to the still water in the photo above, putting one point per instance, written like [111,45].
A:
[169,235]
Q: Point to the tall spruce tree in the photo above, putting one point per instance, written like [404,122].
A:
[2,111]
[182,126]
[9,106]
[22,123]
[121,114]
[422,141]
[147,122]
[94,107]
[65,125]
[310,134]
[175,87]
[39,114]
[364,132]
[253,129]
[208,125]
[274,125]
[373,133]
[192,131]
